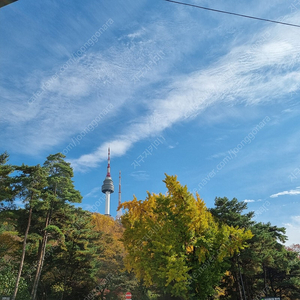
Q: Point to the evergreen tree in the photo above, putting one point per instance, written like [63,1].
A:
[60,190]
[7,193]
[231,212]
[31,183]
[7,281]
[262,269]
[70,266]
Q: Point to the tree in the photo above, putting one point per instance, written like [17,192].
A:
[172,241]
[31,182]
[230,212]
[9,239]
[6,191]
[294,248]
[71,265]
[111,279]
[280,268]
[264,268]
[60,189]
[10,247]
[8,279]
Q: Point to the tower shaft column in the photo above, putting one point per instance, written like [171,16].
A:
[107,203]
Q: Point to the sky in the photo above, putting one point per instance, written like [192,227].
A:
[209,97]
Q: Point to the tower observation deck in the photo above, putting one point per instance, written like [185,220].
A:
[108,187]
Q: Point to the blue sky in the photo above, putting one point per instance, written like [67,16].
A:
[209,97]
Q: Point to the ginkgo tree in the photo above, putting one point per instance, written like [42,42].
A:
[173,242]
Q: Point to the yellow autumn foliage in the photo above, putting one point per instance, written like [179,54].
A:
[167,237]
[113,248]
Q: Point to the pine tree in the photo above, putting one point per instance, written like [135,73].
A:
[231,212]
[262,269]
[7,192]
[31,183]
[60,190]
[70,266]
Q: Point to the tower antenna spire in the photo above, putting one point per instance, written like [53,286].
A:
[119,212]
[108,163]
[119,187]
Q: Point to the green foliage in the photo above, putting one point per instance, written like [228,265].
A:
[7,192]
[8,279]
[230,212]
[60,185]
[266,267]
[167,247]
[169,237]
[30,182]
[9,235]
[71,262]
[57,195]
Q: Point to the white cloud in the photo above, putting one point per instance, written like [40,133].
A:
[218,155]
[140,175]
[119,148]
[137,34]
[241,75]
[70,86]
[93,193]
[292,230]
[249,201]
[98,79]
[290,192]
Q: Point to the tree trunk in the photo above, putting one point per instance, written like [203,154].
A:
[236,277]
[40,260]
[65,280]
[42,253]
[265,276]
[238,284]
[244,295]
[23,255]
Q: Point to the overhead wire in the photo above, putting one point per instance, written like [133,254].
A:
[232,13]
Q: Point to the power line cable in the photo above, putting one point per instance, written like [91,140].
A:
[235,14]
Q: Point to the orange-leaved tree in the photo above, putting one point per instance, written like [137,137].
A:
[110,277]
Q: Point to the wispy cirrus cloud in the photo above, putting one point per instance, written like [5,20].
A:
[93,193]
[262,69]
[140,175]
[290,192]
[73,100]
